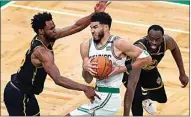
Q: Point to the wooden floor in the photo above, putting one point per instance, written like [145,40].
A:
[130,21]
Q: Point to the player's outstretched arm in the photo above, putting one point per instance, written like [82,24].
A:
[133,78]
[173,47]
[81,23]
[140,56]
[47,60]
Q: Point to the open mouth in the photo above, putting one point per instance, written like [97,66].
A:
[154,47]
[94,36]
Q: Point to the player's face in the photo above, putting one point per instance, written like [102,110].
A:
[49,31]
[97,31]
[155,38]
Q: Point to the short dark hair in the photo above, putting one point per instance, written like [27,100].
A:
[38,21]
[156,28]
[102,18]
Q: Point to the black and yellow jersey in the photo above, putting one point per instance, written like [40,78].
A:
[29,78]
[156,57]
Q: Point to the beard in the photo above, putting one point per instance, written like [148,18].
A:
[50,39]
[100,36]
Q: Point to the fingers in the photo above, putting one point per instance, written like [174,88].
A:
[104,3]
[184,83]
[92,72]
[89,60]
[183,86]
[111,74]
[108,3]
[92,99]
[95,89]
[90,66]
[113,71]
[97,96]
[94,64]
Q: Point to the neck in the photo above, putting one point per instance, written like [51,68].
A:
[43,39]
[105,38]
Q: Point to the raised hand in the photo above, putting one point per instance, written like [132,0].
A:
[101,6]
[184,80]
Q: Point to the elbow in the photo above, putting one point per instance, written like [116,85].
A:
[79,28]
[57,81]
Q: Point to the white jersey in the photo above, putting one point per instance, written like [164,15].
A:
[108,51]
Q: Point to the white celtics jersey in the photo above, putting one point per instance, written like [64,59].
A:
[107,51]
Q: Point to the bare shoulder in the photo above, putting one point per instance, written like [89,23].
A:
[39,51]
[168,38]
[140,46]
[84,48]
[85,44]
[170,43]
[42,53]
[120,41]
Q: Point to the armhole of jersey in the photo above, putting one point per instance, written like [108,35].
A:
[36,48]
[164,44]
[142,45]
[90,43]
[112,47]
[44,45]
[31,55]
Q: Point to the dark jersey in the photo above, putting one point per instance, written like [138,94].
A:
[156,57]
[29,78]
[150,78]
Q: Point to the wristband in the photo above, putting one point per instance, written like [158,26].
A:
[128,66]
[144,54]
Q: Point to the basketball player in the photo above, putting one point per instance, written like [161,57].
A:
[150,85]
[19,93]
[115,49]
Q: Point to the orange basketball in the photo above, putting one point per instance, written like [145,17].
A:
[104,67]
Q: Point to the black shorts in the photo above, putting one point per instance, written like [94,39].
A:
[152,82]
[18,103]
[158,95]
[149,80]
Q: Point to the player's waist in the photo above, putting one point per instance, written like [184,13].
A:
[26,88]
[107,89]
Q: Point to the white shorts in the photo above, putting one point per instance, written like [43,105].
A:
[109,104]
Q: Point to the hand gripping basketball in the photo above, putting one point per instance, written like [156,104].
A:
[104,67]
